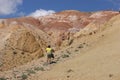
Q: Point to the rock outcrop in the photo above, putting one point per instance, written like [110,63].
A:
[20,43]
[97,23]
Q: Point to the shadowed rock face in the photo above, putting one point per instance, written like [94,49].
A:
[25,39]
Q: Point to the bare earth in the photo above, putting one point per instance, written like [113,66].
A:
[93,56]
[100,62]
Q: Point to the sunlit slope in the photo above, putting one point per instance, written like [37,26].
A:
[100,62]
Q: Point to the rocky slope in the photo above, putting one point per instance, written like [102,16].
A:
[100,60]
[25,39]
[20,43]
[63,25]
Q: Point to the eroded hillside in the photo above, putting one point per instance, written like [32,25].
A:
[20,43]
[25,39]
[100,60]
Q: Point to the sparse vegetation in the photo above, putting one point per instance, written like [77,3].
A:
[30,71]
[1,64]
[68,52]
[39,68]
[80,46]
[76,50]
[3,78]
[24,76]
[65,56]
[79,50]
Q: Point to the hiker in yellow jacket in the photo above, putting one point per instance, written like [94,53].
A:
[50,54]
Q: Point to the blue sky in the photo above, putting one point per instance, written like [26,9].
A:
[16,8]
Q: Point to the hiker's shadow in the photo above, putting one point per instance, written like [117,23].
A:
[53,62]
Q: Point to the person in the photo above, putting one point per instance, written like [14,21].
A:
[50,54]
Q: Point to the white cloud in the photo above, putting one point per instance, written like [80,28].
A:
[9,6]
[41,12]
